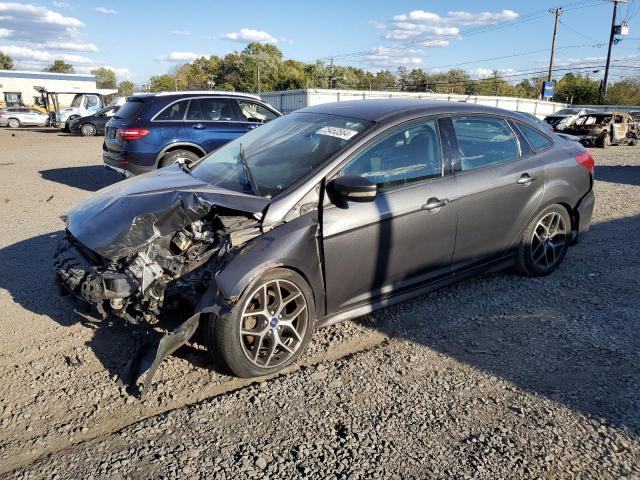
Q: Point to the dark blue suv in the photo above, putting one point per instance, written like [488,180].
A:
[155,130]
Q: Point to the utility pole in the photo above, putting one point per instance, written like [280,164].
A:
[557,12]
[603,88]
[331,73]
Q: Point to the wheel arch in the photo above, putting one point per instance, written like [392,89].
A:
[192,147]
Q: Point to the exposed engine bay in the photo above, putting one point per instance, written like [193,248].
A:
[169,275]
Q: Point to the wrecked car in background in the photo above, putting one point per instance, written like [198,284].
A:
[605,128]
[323,215]
[563,119]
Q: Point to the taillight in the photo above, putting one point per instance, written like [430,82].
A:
[585,159]
[130,134]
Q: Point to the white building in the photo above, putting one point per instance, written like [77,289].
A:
[17,86]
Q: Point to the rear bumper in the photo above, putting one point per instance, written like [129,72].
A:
[122,165]
[585,213]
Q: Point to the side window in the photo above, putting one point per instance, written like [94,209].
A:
[484,141]
[173,112]
[406,155]
[211,109]
[92,101]
[537,140]
[254,112]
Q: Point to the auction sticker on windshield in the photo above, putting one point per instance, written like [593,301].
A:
[343,133]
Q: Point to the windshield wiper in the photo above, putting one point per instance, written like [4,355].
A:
[247,172]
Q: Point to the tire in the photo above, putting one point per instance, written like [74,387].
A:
[604,141]
[13,123]
[88,130]
[539,254]
[172,157]
[234,350]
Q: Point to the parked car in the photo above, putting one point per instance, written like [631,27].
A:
[564,118]
[604,129]
[15,117]
[323,215]
[92,125]
[155,130]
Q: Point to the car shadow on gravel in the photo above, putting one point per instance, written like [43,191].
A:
[91,178]
[623,174]
[571,336]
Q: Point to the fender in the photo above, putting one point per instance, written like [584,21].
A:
[293,245]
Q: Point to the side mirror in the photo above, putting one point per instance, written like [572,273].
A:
[356,188]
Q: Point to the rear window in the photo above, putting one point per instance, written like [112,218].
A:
[484,141]
[130,109]
[537,140]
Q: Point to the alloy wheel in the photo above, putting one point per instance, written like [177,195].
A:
[88,130]
[273,323]
[548,241]
[13,123]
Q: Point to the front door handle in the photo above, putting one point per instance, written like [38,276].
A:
[198,126]
[525,179]
[435,203]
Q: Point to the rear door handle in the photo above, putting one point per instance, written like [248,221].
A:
[198,126]
[435,203]
[525,179]
[251,127]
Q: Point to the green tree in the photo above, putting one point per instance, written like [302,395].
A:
[60,66]
[624,92]
[126,88]
[162,83]
[577,89]
[6,62]
[105,77]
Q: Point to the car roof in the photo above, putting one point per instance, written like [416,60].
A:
[380,110]
[217,93]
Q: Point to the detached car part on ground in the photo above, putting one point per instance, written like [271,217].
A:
[324,215]
[605,128]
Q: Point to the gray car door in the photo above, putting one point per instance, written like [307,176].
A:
[499,188]
[406,234]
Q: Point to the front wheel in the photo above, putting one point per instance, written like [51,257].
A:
[13,123]
[545,242]
[267,329]
[604,141]
[88,130]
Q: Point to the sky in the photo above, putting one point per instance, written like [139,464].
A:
[143,38]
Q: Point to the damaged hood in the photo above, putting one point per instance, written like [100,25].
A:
[123,218]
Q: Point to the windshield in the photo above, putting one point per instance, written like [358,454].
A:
[279,153]
[568,111]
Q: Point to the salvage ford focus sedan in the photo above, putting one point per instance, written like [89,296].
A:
[323,215]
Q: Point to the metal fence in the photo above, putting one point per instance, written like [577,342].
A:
[289,100]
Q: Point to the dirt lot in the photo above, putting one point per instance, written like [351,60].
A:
[500,376]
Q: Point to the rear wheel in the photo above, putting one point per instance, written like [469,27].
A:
[13,123]
[173,157]
[268,328]
[88,130]
[545,242]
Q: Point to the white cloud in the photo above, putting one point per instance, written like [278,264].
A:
[35,56]
[37,24]
[481,73]
[76,46]
[180,57]
[106,11]
[5,32]
[384,57]
[61,4]
[249,35]
[181,33]
[121,72]
[435,29]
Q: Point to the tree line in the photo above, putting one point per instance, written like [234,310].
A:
[261,68]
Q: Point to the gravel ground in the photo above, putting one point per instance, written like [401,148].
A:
[500,376]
